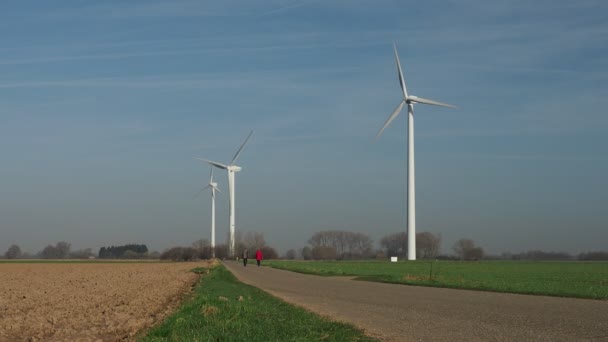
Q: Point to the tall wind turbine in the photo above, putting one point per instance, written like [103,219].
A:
[410,100]
[232,169]
[213,186]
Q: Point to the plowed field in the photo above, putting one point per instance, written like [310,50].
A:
[88,302]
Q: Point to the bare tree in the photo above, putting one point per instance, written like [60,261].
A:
[239,244]
[347,245]
[290,254]
[83,254]
[203,249]
[254,240]
[13,252]
[221,251]
[594,256]
[465,249]
[63,249]
[395,244]
[200,244]
[306,253]
[427,245]
[324,253]
[60,251]
[269,253]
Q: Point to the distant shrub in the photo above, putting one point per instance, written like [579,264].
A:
[290,254]
[306,253]
[61,250]
[324,253]
[13,252]
[594,256]
[82,254]
[221,251]
[154,255]
[465,249]
[542,255]
[179,254]
[269,253]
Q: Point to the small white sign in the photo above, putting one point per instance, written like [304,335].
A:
[393,259]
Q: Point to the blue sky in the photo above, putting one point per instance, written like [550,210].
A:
[103,106]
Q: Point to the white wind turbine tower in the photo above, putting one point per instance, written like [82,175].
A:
[232,169]
[410,100]
[213,186]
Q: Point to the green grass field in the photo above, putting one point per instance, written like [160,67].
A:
[564,279]
[224,309]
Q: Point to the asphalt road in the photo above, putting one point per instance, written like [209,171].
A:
[414,313]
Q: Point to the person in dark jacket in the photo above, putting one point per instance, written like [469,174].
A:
[258,256]
[245,256]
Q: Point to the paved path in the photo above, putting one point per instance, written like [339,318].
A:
[413,313]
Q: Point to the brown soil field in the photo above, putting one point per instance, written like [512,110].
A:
[90,301]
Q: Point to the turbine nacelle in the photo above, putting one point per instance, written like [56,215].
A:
[415,99]
[230,166]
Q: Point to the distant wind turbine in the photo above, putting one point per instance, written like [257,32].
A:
[213,186]
[232,169]
[410,100]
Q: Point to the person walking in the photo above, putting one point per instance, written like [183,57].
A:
[258,256]
[245,256]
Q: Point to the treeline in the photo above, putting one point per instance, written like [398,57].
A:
[202,250]
[345,245]
[538,255]
[61,250]
[428,245]
[130,251]
[324,245]
[338,244]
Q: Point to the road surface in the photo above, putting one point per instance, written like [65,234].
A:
[393,312]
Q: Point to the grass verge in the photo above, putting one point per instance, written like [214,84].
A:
[224,309]
[81,261]
[561,279]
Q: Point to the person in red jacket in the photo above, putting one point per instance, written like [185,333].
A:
[258,256]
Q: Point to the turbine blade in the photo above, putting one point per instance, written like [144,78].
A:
[241,148]
[401,79]
[201,190]
[217,189]
[216,164]
[211,175]
[394,114]
[430,102]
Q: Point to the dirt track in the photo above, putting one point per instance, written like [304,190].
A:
[88,302]
[412,313]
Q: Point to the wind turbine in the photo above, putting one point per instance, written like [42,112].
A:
[232,169]
[213,186]
[410,100]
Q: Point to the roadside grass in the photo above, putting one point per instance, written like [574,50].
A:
[561,279]
[224,309]
[80,261]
